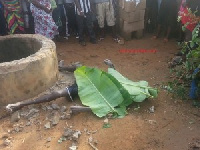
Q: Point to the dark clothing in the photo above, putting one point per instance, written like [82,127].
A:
[3,30]
[57,19]
[82,20]
[167,13]
[70,13]
[151,15]
[85,5]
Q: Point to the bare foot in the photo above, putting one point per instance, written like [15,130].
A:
[166,40]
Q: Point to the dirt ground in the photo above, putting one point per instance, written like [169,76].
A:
[173,126]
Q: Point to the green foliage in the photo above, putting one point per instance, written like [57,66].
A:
[110,92]
[183,74]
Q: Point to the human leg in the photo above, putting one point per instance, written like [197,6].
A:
[100,10]
[2,23]
[89,25]
[110,18]
[80,23]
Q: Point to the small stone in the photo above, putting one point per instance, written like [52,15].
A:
[15,117]
[17,129]
[7,142]
[55,106]
[49,108]
[73,148]
[49,139]
[152,122]
[75,136]
[63,109]
[55,119]
[47,125]
[68,132]
[65,116]
[106,121]
[5,136]
[32,112]
[28,123]
[152,109]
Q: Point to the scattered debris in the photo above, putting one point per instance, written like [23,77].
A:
[28,123]
[73,148]
[106,121]
[195,144]
[32,113]
[55,106]
[89,132]
[5,136]
[55,119]
[49,108]
[68,133]
[62,139]
[49,139]
[152,109]
[15,117]
[76,135]
[7,142]
[91,141]
[152,122]
[47,125]
[63,109]
[65,116]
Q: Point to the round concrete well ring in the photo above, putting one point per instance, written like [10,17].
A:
[28,66]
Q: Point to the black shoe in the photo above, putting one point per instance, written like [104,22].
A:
[93,41]
[82,43]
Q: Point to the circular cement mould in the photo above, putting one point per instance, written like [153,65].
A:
[28,66]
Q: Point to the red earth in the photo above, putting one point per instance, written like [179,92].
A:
[173,126]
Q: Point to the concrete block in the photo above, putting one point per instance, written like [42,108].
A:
[131,16]
[141,5]
[129,6]
[138,25]
[130,27]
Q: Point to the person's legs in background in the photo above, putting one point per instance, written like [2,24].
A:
[80,23]
[3,30]
[89,25]
[71,16]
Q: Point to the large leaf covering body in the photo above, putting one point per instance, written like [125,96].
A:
[139,91]
[97,91]
[110,92]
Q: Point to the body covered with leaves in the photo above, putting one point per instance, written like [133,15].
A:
[110,92]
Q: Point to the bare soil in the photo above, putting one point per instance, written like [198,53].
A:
[173,126]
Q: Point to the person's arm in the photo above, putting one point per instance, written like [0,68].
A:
[79,7]
[38,5]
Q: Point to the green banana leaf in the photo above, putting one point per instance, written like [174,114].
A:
[98,91]
[139,91]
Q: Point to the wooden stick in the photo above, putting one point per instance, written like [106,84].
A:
[76,109]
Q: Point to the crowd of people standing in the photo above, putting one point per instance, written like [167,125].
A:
[57,19]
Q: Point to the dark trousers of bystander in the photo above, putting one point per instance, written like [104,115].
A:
[82,21]
[3,30]
[70,13]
